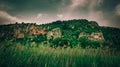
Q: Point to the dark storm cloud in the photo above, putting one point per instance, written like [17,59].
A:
[111,11]
[33,5]
[109,5]
[105,12]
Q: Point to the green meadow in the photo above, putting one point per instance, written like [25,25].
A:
[17,55]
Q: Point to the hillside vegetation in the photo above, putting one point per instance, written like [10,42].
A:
[71,33]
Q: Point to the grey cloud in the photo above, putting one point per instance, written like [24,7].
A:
[105,12]
[6,18]
[117,11]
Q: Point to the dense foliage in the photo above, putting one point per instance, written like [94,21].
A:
[70,31]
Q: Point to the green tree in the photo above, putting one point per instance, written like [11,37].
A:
[94,43]
[83,41]
[60,42]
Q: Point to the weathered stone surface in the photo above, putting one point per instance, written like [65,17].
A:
[18,34]
[32,30]
[54,33]
[93,36]
[83,34]
[96,36]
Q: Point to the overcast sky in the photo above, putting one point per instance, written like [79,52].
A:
[105,12]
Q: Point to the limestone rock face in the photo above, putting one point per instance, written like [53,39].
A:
[54,33]
[93,36]
[18,34]
[32,30]
[83,34]
[96,36]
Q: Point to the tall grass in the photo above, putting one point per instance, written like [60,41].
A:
[18,55]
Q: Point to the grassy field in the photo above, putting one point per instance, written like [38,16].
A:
[17,55]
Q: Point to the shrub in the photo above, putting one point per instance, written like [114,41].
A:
[60,42]
[83,41]
[94,43]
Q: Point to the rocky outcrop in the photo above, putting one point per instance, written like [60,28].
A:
[34,30]
[83,34]
[93,36]
[96,36]
[54,33]
[18,34]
